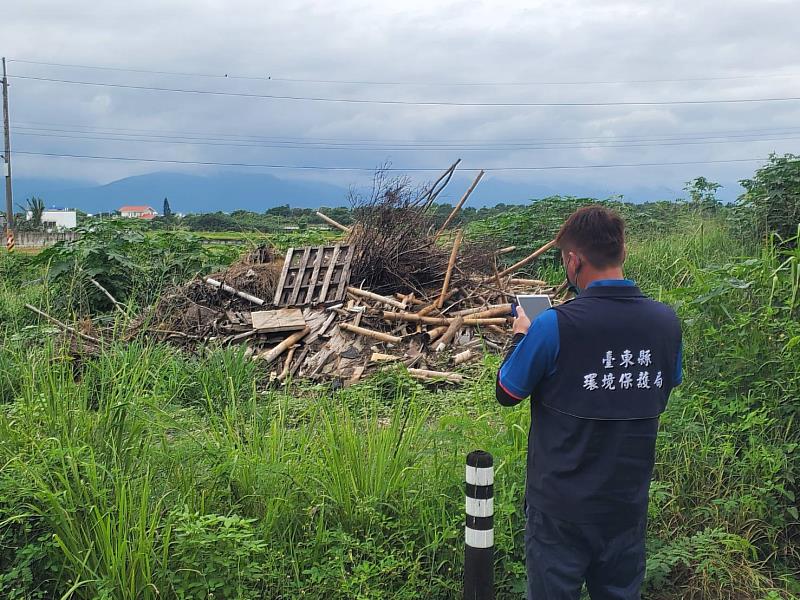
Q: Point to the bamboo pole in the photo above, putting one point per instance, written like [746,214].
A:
[376,297]
[451,332]
[505,250]
[462,357]
[377,335]
[560,289]
[458,206]
[531,282]
[63,326]
[417,318]
[287,365]
[410,298]
[333,223]
[436,332]
[528,259]
[432,307]
[450,265]
[432,375]
[495,310]
[226,288]
[271,355]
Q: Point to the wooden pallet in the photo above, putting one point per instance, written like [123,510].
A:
[314,275]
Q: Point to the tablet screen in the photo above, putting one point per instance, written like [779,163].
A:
[534,304]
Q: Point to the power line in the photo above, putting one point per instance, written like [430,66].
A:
[409,102]
[162,133]
[418,148]
[372,169]
[403,83]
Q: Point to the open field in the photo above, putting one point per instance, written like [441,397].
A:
[144,472]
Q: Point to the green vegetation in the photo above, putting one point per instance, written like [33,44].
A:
[141,472]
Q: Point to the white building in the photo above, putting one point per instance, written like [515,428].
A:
[57,218]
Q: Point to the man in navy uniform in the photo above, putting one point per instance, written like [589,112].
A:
[599,370]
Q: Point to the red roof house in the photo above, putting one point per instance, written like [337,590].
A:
[138,212]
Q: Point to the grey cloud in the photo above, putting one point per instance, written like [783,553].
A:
[417,41]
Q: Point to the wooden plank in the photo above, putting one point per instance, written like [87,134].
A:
[301,270]
[323,293]
[282,280]
[282,319]
[344,278]
[312,282]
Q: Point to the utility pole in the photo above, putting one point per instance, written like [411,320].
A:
[7,158]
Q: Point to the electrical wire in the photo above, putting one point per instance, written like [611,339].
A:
[327,99]
[429,148]
[403,83]
[372,169]
[381,144]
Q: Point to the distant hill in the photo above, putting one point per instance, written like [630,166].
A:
[230,191]
[186,193]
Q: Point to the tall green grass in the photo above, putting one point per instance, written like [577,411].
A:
[142,472]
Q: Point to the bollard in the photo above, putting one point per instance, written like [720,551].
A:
[479,530]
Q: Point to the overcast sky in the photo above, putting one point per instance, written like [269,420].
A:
[720,49]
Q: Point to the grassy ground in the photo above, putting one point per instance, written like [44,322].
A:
[144,473]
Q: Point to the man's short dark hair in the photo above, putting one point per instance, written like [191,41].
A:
[597,232]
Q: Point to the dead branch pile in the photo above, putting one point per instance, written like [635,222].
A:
[396,246]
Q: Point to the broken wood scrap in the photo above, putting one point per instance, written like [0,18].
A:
[226,288]
[358,372]
[241,336]
[371,333]
[380,357]
[300,360]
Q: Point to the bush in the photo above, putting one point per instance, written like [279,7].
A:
[771,201]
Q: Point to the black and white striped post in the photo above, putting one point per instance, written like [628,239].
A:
[479,530]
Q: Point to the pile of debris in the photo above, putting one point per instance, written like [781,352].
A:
[394,290]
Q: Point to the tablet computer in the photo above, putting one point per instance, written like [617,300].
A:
[533,304]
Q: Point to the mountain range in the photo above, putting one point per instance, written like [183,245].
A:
[228,191]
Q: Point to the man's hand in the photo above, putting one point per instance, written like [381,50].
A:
[522,323]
